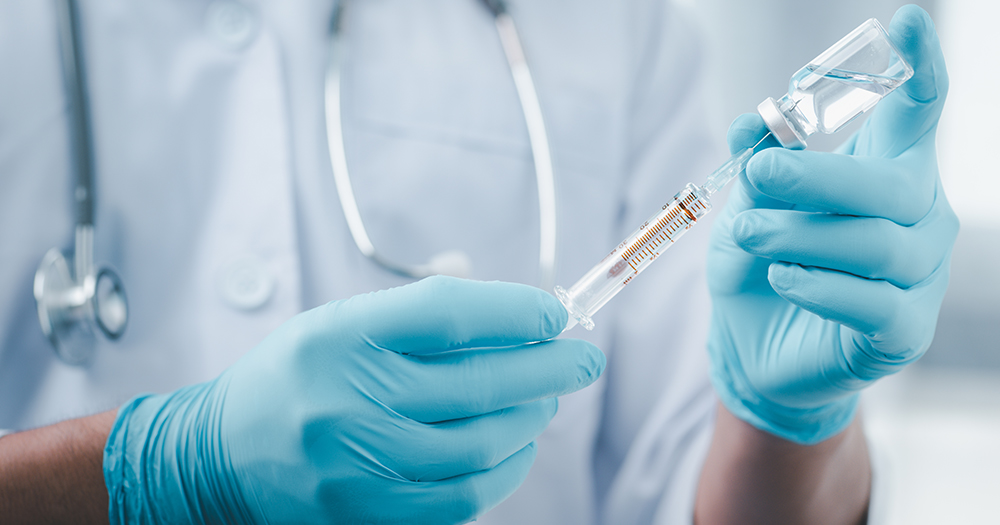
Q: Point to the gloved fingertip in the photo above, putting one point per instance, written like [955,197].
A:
[912,31]
[912,18]
[774,170]
[909,28]
[760,167]
[745,230]
[798,285]
[554,316]
[745,131]
[592,364]
[781,275]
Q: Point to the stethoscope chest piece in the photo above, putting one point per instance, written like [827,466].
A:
[75,302]
[70,312]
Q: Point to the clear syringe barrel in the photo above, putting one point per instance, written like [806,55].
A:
[644,245]
[633,255]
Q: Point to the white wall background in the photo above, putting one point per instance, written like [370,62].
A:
[936,426]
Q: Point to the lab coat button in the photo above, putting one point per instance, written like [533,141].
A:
[246,283]
[232,23]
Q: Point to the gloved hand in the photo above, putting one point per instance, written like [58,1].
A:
[417,404]
[827,270]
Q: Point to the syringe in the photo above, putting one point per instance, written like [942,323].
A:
[653,237]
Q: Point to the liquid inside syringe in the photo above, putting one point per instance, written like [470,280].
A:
[645,244]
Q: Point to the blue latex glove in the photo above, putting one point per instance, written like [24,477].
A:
[827,270]
[418,404]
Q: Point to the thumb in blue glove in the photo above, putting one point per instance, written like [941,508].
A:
[827,270]
[417,404]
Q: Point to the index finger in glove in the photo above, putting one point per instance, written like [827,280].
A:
[440,313]
[901,189]
[745,131]
[868,247]
[441,387]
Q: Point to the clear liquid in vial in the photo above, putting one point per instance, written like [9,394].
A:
[830,98]
[844,81]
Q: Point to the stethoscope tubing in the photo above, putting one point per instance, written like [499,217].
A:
[537,135]
[81,135]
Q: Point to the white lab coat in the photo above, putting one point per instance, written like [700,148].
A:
[211,159]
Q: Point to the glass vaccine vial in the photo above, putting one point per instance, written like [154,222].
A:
[836,87]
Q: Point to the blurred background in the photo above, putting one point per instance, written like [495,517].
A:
[935,428]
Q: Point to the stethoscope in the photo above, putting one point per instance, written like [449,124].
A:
[452,262]
[74,305]
[75,300]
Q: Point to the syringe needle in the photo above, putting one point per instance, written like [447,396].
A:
[761,140]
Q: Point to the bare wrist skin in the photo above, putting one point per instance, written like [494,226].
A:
[751,476]
[55,474]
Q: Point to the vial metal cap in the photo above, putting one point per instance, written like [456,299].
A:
[779,125]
